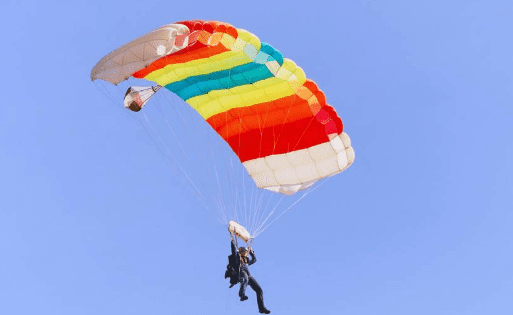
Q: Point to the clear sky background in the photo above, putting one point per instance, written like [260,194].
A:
[93,222]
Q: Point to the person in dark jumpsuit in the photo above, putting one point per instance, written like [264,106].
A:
[238,271]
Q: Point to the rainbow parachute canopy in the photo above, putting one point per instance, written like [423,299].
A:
[275,119]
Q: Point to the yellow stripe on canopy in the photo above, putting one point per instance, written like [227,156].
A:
[271,89]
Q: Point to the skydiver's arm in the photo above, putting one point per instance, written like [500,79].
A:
[253,258]
[234,248]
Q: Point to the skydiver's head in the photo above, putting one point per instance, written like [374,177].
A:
[243,251]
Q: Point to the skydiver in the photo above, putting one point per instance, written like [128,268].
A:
[238,271]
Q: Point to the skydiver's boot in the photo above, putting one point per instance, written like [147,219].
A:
[243,298]
[264,311]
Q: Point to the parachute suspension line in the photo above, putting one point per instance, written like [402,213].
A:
[258,201]
[217,198]
[137,118]
[231,176]
[220,196]
[187,126]
[308,191]
[255,210]
[250,208]
[268,216]
[244,205]
[204,157]
[247,202]
[100,86]
[185,154]
[234,186]
[234,215]
[173,106]
[220,207]
[242,217]
[221,145]
[179,117]
[199,195]
[262,213]
[260,210]
[231,169]
[172,131]
[238,210]
[167,150]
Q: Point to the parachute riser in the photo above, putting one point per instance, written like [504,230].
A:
[250,242]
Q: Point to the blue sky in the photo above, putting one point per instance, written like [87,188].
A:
[93,221]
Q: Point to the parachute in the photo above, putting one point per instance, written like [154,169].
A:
[275,120]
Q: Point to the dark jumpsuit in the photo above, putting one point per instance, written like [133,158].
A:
[241,265]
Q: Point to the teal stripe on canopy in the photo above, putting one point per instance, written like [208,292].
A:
[226,79]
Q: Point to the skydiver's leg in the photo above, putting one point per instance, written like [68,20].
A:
[259,293]
[243,278]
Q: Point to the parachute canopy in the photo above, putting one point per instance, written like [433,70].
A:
[276,120]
